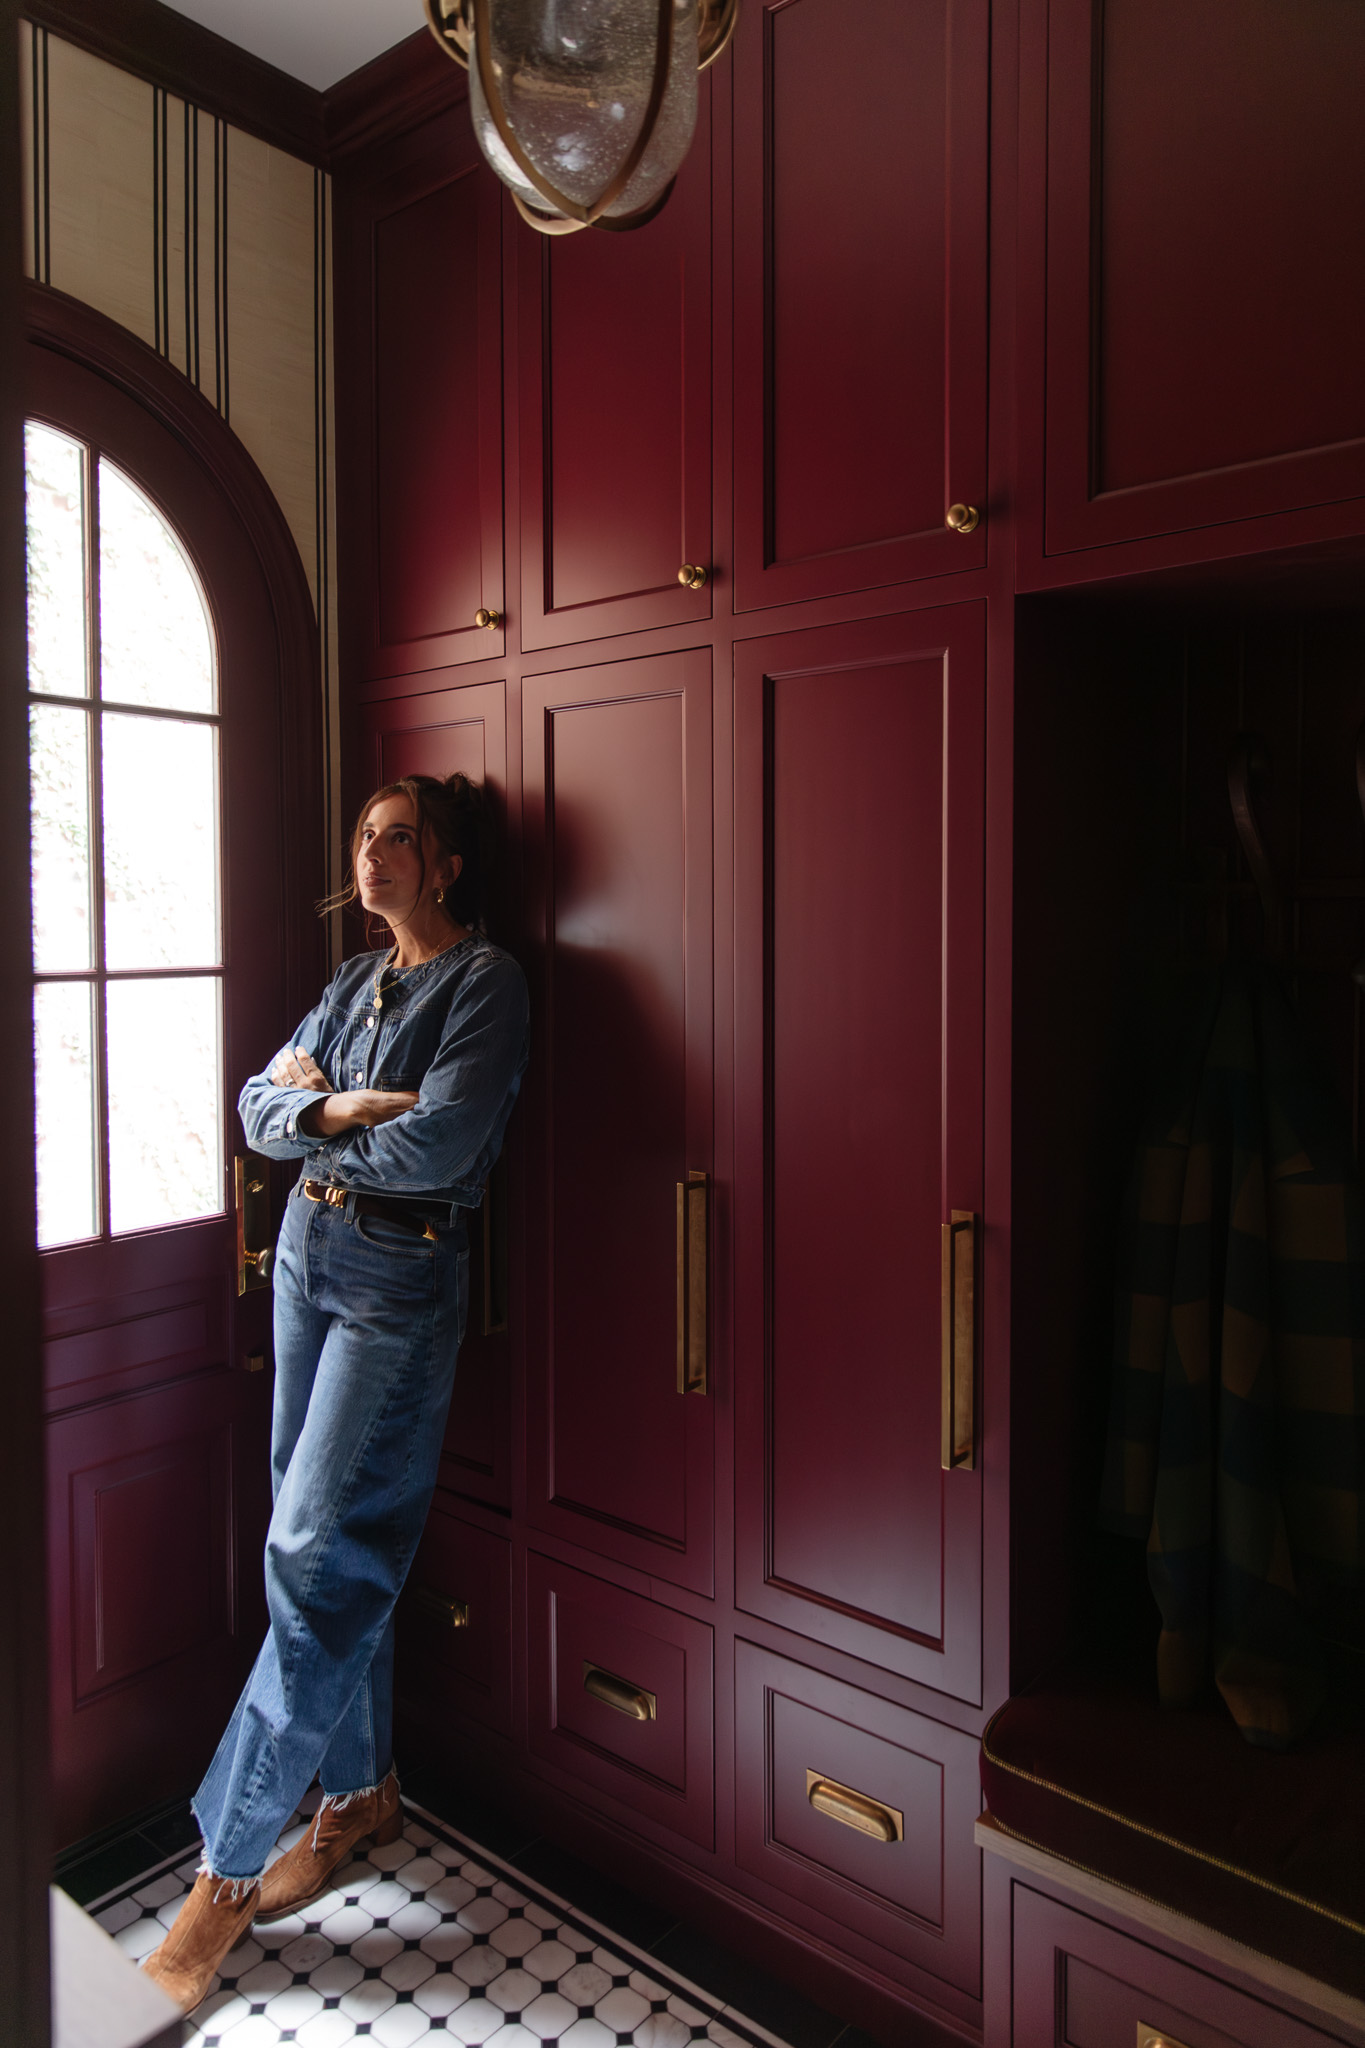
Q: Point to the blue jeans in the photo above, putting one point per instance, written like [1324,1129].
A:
[368,1321]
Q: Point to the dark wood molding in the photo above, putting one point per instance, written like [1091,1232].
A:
[168,49]
[398,91]
[25,1844]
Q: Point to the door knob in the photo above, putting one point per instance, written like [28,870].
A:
[692,576]
[962,518]
[484,617]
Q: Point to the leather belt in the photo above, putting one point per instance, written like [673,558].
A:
[372,1205]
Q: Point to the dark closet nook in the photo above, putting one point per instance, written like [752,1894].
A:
[858,885]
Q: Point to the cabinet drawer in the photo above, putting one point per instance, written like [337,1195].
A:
[621,1696]
[1084,1985]
[860,1810]
[455,1619]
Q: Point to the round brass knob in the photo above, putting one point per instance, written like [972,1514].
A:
[483,617]
[962,518]
[692,576]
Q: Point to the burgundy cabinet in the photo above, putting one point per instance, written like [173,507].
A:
[419,404]
[617,767]
[455,1620]
[463,729]
[615,418]
[860,292]
[621,1697]
[861,1814]
[1205,298]
[859,899]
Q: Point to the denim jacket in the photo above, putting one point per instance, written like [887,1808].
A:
[453,1029]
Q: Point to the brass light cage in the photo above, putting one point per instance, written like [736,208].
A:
[458,24]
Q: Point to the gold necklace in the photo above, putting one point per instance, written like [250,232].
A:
[385,963]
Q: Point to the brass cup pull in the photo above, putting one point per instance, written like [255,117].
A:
[855,1809]
[692,576]
[694,1283]
[484,617]
[436,1607]
[1155,2037]
[959,1341]
[962,518]
[619,1694]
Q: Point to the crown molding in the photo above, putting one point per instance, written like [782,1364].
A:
[396,92]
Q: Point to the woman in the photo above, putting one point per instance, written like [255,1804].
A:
[395,1092]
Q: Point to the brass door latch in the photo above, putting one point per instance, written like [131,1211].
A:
[252,1187]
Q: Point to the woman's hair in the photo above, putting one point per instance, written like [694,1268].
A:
[457,815]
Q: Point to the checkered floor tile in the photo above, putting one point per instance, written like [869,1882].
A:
[429,1940]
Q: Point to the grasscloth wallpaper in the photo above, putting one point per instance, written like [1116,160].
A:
[215,249]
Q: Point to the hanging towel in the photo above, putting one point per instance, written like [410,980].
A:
[1236,1445]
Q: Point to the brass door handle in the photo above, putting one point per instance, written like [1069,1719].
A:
[692,576]
[962,518]
[631,1700]
[1155,2037]
[694,1238]
[855,1809]
[436,1607]
[959,1341]
[251,1188]
[484,617]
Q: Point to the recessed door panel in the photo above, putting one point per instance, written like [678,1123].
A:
[860,293]
[444,732]
[859,790]
[420,403]
[616,418]
[617,765]
[455,1621]
[1206,304]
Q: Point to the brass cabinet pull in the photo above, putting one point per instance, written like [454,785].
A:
[1155,2037]
[855,1809]
[631,1700]
[251,1183]
[692,576]
[484,617]
[962,518]
[436,1607]
[694,1239]
[959,1340]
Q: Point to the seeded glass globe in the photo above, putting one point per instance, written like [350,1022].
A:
[575,78]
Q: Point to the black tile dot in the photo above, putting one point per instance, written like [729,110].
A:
[330,2004]
[258,2008]
[300,1977]
[586,2012]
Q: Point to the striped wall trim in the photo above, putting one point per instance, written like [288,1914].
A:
[36,86]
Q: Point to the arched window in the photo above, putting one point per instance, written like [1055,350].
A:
[127,897]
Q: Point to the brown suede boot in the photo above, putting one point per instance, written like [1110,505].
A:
[303,1873]
[217,1915]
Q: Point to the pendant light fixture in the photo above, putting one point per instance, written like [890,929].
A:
[584,108]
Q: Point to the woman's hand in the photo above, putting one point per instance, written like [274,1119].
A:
[354,1109]
[296,1068]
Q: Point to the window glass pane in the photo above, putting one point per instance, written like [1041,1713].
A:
[54,467]
[160,842]
[155,644]
[63,1044]
[59,773]
[165,1102]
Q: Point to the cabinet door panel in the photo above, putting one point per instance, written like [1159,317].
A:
[616,418]
[154,1542]
[618,825]
[468,1667]
[918,1897]
[860,302]
[439,733]
[859,795]
[420,403]
[1206,303]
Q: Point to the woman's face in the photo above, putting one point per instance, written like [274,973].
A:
[388,862]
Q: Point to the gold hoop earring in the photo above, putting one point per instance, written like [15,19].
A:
[440,895]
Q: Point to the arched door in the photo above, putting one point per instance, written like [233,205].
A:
[175,840]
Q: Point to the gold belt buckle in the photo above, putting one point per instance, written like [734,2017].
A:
[318,1191]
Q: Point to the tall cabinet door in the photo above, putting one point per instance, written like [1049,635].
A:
[861,157]
[443,732]
[859,799]
[617,766]
[615,349]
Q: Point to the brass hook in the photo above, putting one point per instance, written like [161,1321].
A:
[1249,768]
